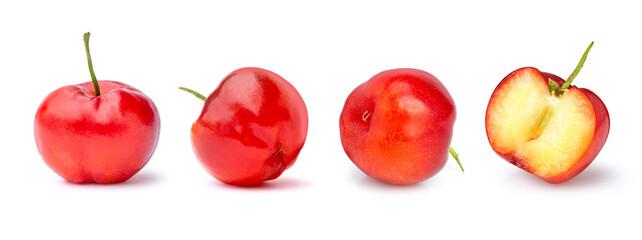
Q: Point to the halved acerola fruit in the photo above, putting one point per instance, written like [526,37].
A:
[550,135]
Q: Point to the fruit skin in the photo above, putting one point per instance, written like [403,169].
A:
[602,126]
[251,129]
[104,139]
[407,130]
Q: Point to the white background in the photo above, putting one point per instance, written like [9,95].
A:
[325,50]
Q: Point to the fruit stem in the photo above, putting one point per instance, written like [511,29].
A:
[456,156]
[280,152]
[568,82]
[91,66]
[365,115]
[198,95]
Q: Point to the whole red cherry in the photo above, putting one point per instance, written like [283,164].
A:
[397,126]
[251,129]
[99,131]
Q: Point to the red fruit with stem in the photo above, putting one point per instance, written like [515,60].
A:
[397,126]
[251,129]
[99,131]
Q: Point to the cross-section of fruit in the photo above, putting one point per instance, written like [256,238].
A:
[551,131]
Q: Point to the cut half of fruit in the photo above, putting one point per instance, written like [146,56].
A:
[537,130]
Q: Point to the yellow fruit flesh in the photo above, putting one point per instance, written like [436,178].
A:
[517,110]
[549,133]
[564,138]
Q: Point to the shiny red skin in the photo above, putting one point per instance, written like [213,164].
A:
[406,137]
[602,126]
[104,139]
[251,115]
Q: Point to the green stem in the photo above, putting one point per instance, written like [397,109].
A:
[456,156]
[198,95]
[91,66]
[568,82]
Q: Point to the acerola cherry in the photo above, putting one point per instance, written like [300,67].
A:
[251,129]
[99,131]
[397,126]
